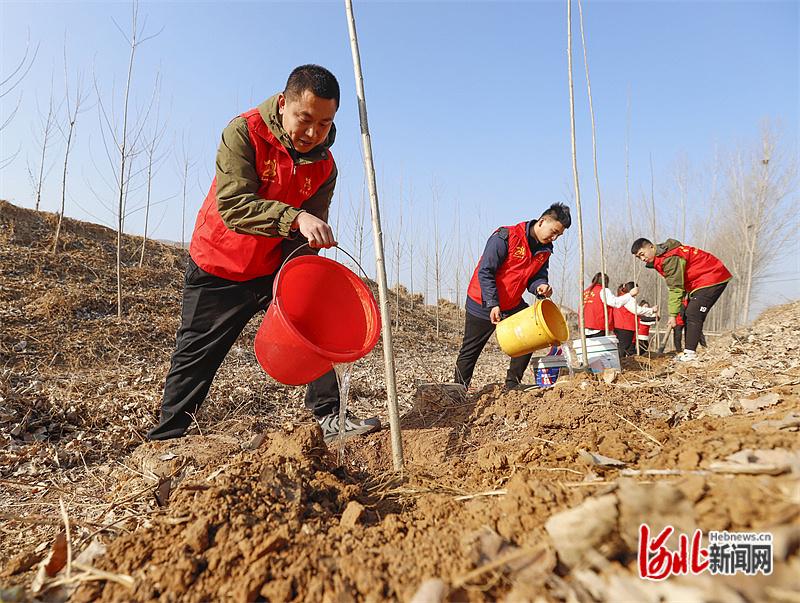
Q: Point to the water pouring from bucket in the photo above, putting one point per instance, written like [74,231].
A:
[321,314]
[536,327]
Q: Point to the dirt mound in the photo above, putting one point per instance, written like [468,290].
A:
[523,495]
[288,522]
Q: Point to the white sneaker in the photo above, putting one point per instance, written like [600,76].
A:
[686,356]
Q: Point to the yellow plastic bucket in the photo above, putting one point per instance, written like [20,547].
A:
[538,326]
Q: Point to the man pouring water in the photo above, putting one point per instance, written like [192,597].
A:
[275,178]
[515,260]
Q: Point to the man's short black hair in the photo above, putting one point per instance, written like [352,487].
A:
[318,80]
[558,212]
[638,244]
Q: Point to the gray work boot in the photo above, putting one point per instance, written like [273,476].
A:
[353,426]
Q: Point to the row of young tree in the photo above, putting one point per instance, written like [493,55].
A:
[741,206]
[134,146]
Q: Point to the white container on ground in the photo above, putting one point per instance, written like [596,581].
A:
[603,352]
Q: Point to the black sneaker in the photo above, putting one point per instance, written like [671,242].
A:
[353,426]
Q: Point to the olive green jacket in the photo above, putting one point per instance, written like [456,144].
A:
[240,207]
[674,268]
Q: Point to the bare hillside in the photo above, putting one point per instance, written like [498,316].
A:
[534,495]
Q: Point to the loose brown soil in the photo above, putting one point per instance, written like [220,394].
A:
[253,505]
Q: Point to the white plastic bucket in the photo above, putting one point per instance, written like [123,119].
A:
[603,352]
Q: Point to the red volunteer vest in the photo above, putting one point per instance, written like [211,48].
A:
[240,257]
[623,319]
[593,310]
[516,271]
[702,268]
[644,329]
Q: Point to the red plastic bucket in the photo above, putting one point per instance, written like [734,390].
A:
[321,313]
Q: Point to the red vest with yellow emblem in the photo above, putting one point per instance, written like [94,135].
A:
[702,269]
[516,271]
[240,257]
[593,310]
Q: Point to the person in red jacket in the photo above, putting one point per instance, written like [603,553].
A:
[692,273]
[643,334]
[625,321]
[274,182]
[595,296]
[515,260]
[680,323]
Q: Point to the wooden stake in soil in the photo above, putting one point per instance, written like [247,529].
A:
[596,174]
[581,269]
[630,214]
[383,290]
[655,239]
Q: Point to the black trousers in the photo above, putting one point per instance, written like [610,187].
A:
[477,332]
[677,337]
[644,345]
[627,345]
[700,302]
[214,313]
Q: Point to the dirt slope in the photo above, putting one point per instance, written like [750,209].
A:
[258,508]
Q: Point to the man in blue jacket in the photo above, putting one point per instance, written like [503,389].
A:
[515,260]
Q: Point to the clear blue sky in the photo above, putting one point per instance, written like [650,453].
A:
[470,95]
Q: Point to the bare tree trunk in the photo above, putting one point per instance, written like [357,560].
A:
[123,162]
[126,195]
[425,300]
[49,122]
[152,147]
[655,239]
[411,273]
[459,261]
[437,275]
[634,261]
[397,258]
[185,164]
[564,257]
[410,244]
[388,350]
[581,269]
[710,212]
[147,203]
[754,229]
[72,118]
[64,184]
[748,285]
[126,143]
[682,188]
[596,174]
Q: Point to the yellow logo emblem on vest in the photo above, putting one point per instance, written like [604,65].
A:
[519,252]
[270,170]
[306,190]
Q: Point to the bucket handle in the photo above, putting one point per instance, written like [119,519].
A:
[306,244]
